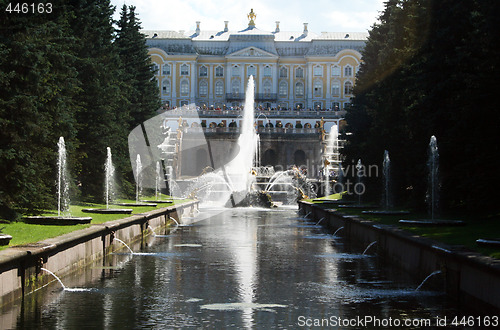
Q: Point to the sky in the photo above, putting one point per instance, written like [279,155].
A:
[321,15]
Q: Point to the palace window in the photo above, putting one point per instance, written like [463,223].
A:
[283,72]
[267,87]
[299,89]
[203,88]
[203,71]
[185,87]
[166,69]
[336,88]
[156,68]
[236,71]
[219,88]
[184,70]
[267,71]
[251,71]
[318,71]
[336,71]
[348,87]
[318,88]
[165,87]
[235,87]
[318,105]
[336,106]
[348,71]
[283,90]
[299,73]
[219,71]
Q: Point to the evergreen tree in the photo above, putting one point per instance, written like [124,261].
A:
[101,119]
[38,85]
[137,68]
[430,68]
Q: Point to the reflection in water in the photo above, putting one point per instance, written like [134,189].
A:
[244,268]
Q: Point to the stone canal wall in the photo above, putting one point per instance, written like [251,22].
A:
[20,265]
[473,280]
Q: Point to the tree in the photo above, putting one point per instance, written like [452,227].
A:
[38,86]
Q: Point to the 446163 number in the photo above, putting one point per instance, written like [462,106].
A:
[29,8]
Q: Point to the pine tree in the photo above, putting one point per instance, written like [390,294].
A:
[100,121]
[38,85]
[137,68]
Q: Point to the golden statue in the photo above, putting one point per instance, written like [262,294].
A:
[251,16]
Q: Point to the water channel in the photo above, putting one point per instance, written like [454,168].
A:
[242,268]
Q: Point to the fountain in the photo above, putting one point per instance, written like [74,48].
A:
[128,247]
[138,186]
[358,189]
[317,224]
[109,184]
[158,179]
[338,229]
[369,246]
[54,275]
[386,196]
[62,196]
[332,157]
[62,179]
[432,195]
[239,170]
[138,181]
[425,280]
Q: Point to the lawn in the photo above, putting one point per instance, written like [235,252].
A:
[466,236]
[23,233]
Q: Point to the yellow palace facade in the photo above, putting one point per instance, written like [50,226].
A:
[292,70]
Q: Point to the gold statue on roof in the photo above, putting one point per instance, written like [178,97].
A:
[251,16]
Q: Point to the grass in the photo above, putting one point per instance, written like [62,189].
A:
[466,236]
[23,233]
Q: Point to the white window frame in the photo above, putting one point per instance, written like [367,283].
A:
[219,88]
[336,71]
[184,72]
[318,71]
[348,71]
[164,89]
[203,71]
[184,87]
[203,88]
[301,89]
[219,71]
[348,87]
[267,71]
[301,70]
[283,72]
[283,89]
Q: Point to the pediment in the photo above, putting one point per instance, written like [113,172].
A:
[251,52]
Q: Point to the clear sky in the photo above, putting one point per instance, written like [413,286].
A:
[322,15]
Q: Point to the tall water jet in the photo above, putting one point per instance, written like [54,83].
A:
[138,180]
[332,159]
[386,171]
[157,182]
[359,174]
[62,179]
[239,169]
[109,170]
[432,195]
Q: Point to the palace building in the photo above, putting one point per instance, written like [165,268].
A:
[292,70]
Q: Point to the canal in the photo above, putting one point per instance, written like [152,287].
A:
[240,268]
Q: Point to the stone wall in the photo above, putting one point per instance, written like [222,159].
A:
[20,266]
[472,279]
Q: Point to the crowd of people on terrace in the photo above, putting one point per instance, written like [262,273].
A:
[218,109]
